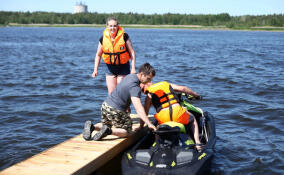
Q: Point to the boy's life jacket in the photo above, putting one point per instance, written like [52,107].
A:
[163,96]
[114,52]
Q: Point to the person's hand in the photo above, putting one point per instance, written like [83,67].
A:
[152,127]
[95,73]
[199,97]
[193,97]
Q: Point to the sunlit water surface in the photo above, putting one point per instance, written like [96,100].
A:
[47,92]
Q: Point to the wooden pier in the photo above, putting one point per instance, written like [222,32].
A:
[75,156]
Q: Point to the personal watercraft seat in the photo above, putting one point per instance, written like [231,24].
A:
[167,136]
[176,124]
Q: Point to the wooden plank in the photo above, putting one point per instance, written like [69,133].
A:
[75,156]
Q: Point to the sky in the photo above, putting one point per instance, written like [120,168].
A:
[233,7]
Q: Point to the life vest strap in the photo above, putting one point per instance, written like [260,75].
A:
[116,56]
[166,96]
[167,101]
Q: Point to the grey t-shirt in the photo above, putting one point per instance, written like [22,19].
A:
[129,87]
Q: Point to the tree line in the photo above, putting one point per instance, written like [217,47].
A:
[223,19]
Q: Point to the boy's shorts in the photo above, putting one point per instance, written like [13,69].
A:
[179,114]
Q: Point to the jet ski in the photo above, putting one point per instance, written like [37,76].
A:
[171,149]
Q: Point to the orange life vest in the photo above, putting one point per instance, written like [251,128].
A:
[163,96]
[115,52]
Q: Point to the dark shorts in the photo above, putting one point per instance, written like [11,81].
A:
[113,117]
[122,69]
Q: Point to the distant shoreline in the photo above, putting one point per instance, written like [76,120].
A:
[194,27]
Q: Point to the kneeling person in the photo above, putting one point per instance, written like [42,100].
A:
[114,108]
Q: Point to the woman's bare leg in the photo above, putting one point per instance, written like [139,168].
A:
[111,81]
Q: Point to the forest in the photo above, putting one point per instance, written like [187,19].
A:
[223,19]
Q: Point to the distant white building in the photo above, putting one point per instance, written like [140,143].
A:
[80,8]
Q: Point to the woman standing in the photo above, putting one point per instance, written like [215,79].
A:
[116,49]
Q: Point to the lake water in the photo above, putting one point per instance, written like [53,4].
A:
[47,92]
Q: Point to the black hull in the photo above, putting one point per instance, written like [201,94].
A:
[194,169]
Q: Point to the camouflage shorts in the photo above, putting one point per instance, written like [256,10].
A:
[113,117]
